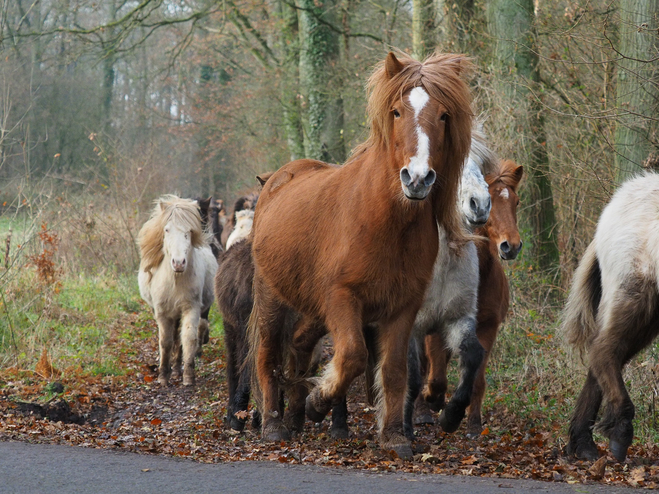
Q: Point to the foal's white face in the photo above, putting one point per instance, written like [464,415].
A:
[177,243]
[474,195]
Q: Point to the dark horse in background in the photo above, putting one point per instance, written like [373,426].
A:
[355,245]
[612,313]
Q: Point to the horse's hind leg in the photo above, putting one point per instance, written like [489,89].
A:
[189,343]
[233,364]
[302,363]
[437,358]
[471,356]
[166,332]
[581,442]
[414,381]
[350,355]
[269,322]
[629,322]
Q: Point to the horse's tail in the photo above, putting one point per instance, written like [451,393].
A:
[579,325]
[253,339]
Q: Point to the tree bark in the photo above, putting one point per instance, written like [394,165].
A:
[322,105]
[637,91]
[424,37]
[510,22]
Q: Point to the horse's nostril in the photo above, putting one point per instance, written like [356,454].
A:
[505,247]
[405,177]
[430,178]
[474,205]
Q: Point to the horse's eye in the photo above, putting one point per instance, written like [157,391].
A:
[396,114]
[444,117]
[167,230]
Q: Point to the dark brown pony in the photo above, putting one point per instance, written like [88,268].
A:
[352,245]
[503,242]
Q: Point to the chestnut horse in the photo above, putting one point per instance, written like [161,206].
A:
[502,242]
[612,313]
[352,245]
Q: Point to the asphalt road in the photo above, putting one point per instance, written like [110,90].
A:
[53,469]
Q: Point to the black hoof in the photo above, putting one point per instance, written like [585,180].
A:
[450,418]
[315,407]
[339,433]
[424,419]
[404,451]
[236,424]
[619,449]
[587,450]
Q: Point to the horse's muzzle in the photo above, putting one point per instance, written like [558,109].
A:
[417,188]
[508,252]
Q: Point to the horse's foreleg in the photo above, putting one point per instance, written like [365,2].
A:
[350,355]
[581,442]
[437,357]
[177,352]
[189,343]
[487,333]
[471,356]
[394,344]
[166,330]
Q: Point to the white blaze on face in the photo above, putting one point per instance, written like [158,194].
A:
[504,193]
[419,164]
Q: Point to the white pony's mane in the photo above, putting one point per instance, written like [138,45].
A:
[183,212]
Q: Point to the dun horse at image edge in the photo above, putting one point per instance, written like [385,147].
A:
[612,313]
[375,263]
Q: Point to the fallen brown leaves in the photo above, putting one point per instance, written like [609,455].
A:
[133,413]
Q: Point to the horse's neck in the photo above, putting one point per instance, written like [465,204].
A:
[380,192]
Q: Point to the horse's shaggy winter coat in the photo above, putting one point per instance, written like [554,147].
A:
[176,279]
[612,312]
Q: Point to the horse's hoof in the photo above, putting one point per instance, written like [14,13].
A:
[188,380]
[474,431]
[339,433]
[585,451]
[618,449]
[450,418]
[176,373]
[398,444]
[276,433]
[315,407]
[424,419]
[236,424]
[163,380]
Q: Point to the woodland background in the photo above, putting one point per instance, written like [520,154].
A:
[107,104]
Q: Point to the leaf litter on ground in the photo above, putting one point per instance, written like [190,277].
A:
[131,412]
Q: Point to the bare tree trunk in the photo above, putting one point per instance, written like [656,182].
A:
[423,28]
[289,42]
[510,22]
[637,91]
[454,22]
[322,105]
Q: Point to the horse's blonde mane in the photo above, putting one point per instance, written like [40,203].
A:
[183,212]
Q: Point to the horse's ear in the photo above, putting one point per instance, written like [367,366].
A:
[517,175]
[162,205]
[392,66]
[263,177]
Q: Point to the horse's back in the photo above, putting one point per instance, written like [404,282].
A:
[295,175]
[627,236]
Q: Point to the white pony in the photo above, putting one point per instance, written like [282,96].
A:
[450,307]
[176,274]
[244,220]
[612,312]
